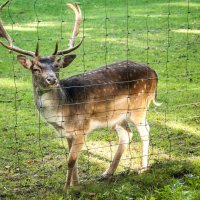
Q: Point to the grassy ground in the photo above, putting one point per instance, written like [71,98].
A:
[164,34]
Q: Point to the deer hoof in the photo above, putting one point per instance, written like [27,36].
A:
[142,169]
[105,176]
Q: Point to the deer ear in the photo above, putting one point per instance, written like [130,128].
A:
[66,60]
[25,62]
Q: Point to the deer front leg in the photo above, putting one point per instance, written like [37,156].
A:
[76,146]
[74,178]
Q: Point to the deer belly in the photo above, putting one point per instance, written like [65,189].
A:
[110,114]
[105,122]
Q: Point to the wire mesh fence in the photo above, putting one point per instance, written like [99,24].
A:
[163,34]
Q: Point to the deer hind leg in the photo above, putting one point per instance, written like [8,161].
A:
[125,135]
[139,119]
[76,147]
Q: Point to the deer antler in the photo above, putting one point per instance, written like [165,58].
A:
[78,19]
[10,46]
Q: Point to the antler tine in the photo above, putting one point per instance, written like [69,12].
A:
[4,34]
[56,49]
[4,4]
[37,50]
[78,19]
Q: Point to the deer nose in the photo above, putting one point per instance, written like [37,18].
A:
[51,80]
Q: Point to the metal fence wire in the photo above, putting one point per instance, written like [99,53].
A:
[163,34]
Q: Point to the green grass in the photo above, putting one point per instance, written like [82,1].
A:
[33,158]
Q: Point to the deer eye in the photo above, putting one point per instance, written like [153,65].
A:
[56,66]
[36,70]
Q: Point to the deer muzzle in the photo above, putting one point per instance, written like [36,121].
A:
[52,80]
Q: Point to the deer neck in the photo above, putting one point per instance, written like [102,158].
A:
[50,105]
[51,99]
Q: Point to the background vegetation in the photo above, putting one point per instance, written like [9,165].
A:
[163,33]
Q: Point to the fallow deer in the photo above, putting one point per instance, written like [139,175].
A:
[110,96]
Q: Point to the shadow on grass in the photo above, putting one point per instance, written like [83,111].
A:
[131,185]
[46,178]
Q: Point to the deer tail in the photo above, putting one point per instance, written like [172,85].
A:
[154,99]
[156,103]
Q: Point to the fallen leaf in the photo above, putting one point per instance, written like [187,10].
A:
[92,194]
[7,167]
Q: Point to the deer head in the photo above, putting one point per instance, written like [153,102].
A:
[45,68]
